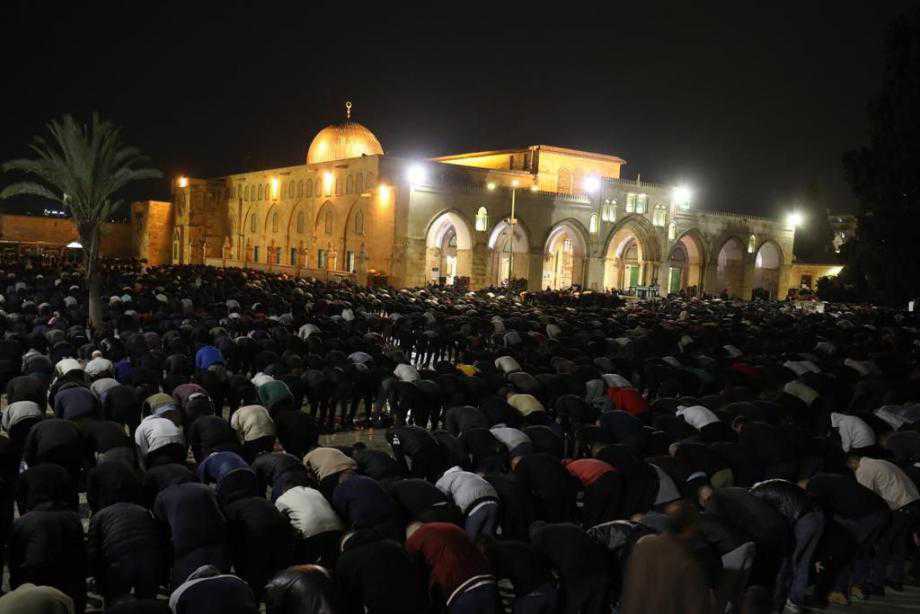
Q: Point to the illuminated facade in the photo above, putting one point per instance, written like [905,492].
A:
[353,211]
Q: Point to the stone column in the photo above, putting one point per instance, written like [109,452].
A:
[535,270]
[595,274]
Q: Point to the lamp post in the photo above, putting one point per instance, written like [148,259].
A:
[512,221]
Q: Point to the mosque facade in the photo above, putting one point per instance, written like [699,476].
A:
[556,217]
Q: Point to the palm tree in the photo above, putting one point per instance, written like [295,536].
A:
[83,167]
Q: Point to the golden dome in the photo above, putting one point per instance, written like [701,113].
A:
[343,141]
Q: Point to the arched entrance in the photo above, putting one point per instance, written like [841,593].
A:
[685,266]
[730,269]
[502,264]
[564,257]
[449,248]
[766,268]
[631,251]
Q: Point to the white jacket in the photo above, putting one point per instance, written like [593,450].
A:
[309,511]
[155,432]
[854,433]
[465,488]
[252,422]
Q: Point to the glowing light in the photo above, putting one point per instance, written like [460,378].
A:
[328,179]
[383,192]
[75,245]
[592,184]
[275,187]
[534,188]
[416,174]
[514,183]
[795,218]
[491,185]
[182,182]
[682,196]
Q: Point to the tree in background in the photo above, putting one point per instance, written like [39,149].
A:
[83,167]
[814,240]
[882,259]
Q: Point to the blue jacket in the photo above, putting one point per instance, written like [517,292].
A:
[76,402]
[206,356]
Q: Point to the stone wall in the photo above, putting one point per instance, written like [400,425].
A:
[53,232]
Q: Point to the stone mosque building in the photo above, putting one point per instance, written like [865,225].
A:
[349,210]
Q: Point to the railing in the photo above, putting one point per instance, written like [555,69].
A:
[320,274]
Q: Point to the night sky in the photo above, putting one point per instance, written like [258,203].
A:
[747,103]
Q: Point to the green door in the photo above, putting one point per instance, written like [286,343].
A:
[633,276]
[674,280]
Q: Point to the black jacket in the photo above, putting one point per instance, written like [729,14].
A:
[785,497]
[544,477]
[544,439]
[103,435]
[261,540]
[516,509]
[193,517]
[157,478]
[60,439]
[209,434]
[484,448]
[122,532]
[47,547]
[377,464]
[377,575]
[294,591]
[269,466]
[463,418]
[752,516]
[570,550]
[720,535]
[517,562]
[46,487]
[415,495]
[26,388]
[842,495]
[297,431]
[112,482]
[413,440]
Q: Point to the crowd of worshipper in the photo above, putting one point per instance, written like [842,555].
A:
[552,452]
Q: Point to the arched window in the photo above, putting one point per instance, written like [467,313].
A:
[661,216]
[301,221]
[564,182]
[300,189]
[631,203]
[274,221]
[308,188]
[252,222]
[369,182]
[592,225]
[261,192]
[359,183]
[752,243]
[359,223]
[672,231]
[609,211]
[338,186]
[350,185]
[482,219]
[246,194]
[327,220]
[641,203]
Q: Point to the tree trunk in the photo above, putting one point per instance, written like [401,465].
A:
[89,235]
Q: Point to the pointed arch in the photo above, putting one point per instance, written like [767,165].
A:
[564,251]
[324,224]
[767,265]
[686,262]
[449,242]
[631,253]
[730,263]
[502,264]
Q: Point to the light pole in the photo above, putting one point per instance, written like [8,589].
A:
[512,221]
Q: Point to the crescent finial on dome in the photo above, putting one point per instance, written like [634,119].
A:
[347,109]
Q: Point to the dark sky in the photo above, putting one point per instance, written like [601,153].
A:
[745,102]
